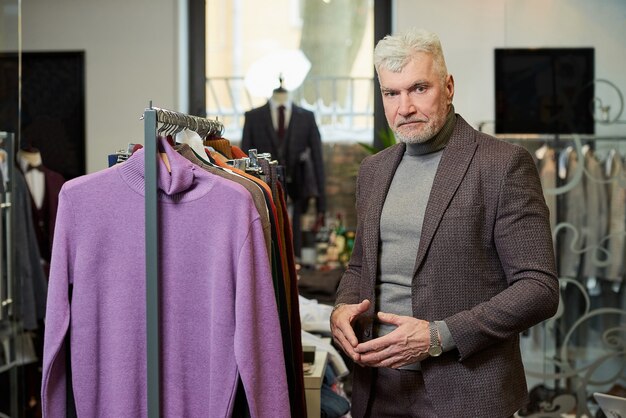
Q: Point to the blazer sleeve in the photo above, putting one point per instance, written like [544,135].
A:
[523,242]
[315,142]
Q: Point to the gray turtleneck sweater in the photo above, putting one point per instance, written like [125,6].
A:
[401,226]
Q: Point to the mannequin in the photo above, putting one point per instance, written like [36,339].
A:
[44,185]
[280,96]
[298,149]
[31,155]
[30,163]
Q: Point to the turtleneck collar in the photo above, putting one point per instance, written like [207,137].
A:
[437,142]
[182,182]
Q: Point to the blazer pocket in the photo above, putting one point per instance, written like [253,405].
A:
[462,227]
[463,212]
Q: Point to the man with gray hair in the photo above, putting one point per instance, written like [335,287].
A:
[453,255]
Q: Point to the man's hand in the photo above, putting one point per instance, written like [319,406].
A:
[341,326]
[406,344]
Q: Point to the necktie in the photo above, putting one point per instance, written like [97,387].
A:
[281,122]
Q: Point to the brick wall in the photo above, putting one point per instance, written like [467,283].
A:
[341,165]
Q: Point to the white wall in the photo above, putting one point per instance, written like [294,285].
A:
[131,58]
[471,29]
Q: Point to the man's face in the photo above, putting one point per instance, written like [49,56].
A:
[416,101]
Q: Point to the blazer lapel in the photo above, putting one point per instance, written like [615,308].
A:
[454,162]
[292,137]
[294,120]
[376,199]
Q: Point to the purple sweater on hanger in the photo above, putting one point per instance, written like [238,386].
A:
[219,318]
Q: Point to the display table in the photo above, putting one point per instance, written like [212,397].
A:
[313,384]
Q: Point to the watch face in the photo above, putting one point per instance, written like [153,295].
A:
[435,351]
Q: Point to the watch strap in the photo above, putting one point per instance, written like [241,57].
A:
[434,348]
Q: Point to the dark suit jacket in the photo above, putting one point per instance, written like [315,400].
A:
[302,133]
[44,219]
[485,265]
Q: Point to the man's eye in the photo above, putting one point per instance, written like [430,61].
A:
[390,93]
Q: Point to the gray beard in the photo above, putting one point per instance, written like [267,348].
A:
[419,138]
[426,134]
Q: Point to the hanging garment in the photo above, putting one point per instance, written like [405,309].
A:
[280,273]
[237,152]
[254,190]
[596,219]
[218,313]
[221,145]
[291,283]
[548,175]
[30,305]
[617,217]
[572,202]
[44,185]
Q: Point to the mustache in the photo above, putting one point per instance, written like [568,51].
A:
[412,120]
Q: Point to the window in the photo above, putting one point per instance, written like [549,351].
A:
[322,48]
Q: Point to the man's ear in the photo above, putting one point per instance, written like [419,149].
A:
[450,87]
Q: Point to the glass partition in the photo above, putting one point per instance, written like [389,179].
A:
[16,349]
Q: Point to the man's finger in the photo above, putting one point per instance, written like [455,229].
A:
[346,346]
[389,318]
[375,345]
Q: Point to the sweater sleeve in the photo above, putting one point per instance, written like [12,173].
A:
[258,341]
[54,379]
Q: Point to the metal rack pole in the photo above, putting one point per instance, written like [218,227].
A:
[152,273]
[151,117]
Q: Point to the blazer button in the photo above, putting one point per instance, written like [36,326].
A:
[367,333]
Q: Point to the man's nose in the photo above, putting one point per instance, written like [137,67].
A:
[406,105]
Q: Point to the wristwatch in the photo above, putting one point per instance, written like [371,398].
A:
[435,349]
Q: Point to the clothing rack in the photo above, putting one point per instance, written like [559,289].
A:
[172,122]
[251,162]
[560,141]
[175,122]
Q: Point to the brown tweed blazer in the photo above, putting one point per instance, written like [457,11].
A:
[485,265]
